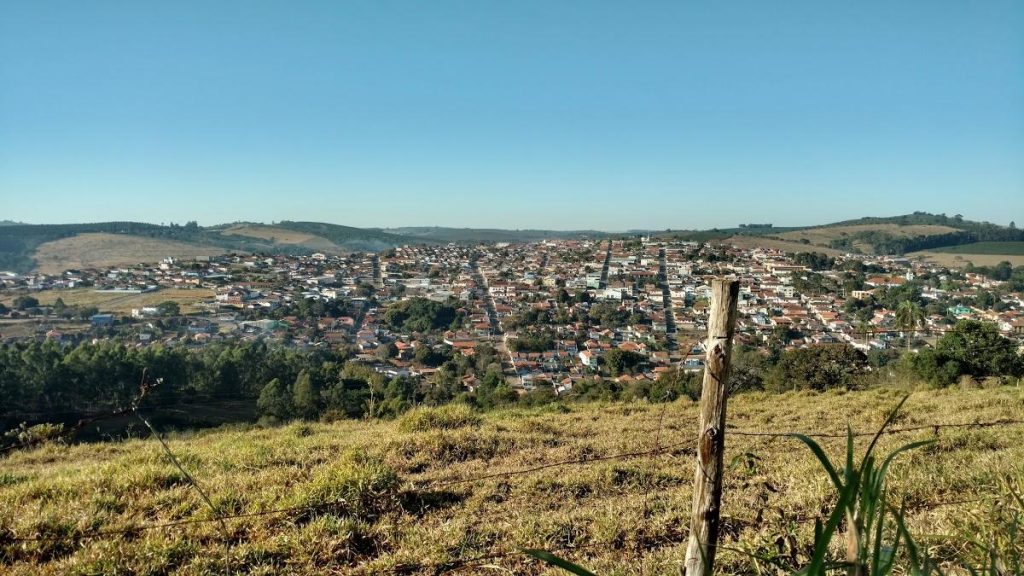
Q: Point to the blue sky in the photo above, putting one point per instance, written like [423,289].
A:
[546,114]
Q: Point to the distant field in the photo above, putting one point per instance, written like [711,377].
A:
[822,236]
[421,495]
[120,303]
[99,249]
[956,260]
[744,241]
[997,248]
[278,235]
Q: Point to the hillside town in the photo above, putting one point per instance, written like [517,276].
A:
[553,311]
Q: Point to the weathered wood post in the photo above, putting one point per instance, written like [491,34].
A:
[707,485]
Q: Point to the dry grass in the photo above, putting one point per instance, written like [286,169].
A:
[822,236]
[283,236]
[950,260]
[750,242]
[100,250]
[399,510]
[119,302]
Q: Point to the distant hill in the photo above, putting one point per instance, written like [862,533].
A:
[101,250]
[475,235]
[894,235]
[350,238]
[273,238]
[22,244]
[18,242]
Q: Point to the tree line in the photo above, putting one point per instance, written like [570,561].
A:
[42,381]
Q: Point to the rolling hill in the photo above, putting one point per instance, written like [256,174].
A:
[57,247]
[102,249]
[895,235]
[24,247]
[475,235]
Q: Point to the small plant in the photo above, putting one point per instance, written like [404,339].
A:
[559,563]
[862,504]
[1004,556]
[25,436]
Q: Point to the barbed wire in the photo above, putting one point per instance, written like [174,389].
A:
[901,430]
[442,481]
[448,481]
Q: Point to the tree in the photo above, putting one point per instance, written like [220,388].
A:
[971,348]
[275,400]
[169,308]
[908,317]
[420,315]
[386,351]
[980,349]
[620,361]
[23,302]
[819,368]
[305,399]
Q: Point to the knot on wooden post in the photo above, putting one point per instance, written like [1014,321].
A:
[707,488]
[707,444]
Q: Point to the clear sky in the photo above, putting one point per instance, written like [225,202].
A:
[519,114]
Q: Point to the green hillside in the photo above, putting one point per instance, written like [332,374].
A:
[997,248]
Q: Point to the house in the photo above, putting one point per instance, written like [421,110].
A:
[589,358]
[99,320]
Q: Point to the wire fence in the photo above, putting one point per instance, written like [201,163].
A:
[677,447]
[454,565]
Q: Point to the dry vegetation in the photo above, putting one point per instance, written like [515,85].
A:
[99,250]
[120,302]
[404,502]
[822,236]
[283,236]
[786,246]
[951,260]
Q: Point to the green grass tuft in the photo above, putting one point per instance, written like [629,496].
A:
[448,417]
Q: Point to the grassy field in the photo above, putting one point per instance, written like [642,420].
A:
[786,246]
[959,260]
[283,236]
[822,236]
[119,302]
[995,248]
[425,493]
[98,250]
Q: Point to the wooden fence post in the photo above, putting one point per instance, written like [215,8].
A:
[707,485]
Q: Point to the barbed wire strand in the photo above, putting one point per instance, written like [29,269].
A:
[441,482]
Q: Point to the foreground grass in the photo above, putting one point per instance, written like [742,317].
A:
[389,497]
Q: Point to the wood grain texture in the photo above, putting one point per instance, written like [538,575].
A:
[707,485]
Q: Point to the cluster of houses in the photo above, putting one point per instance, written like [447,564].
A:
[552,310]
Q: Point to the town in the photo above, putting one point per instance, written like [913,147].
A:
[552,313]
